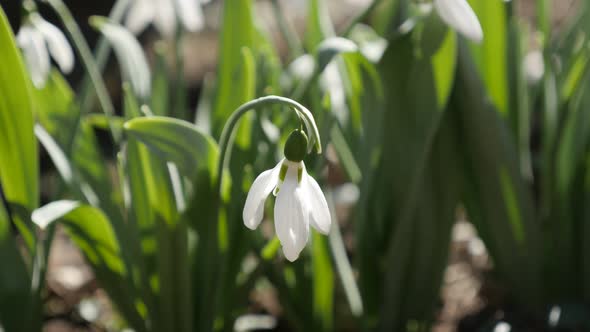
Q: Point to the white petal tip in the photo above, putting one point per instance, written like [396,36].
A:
[67,68]
[475,36]
[290,255]
[324,231]
[251,223]
[461,17]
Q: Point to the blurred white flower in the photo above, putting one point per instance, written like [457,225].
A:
[164,14]
[459,16]
[299,202]
[534,66]
[38,39]
[331,81]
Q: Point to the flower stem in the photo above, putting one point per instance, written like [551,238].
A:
[87,60]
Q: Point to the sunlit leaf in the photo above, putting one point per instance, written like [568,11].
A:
[491,55]
[323,283]
[233,87]
[92,232]
[19,171]
[176,140]
[56,111]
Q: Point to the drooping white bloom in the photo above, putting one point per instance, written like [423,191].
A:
[299,203]
[459,16]
[164,15]
[39,39]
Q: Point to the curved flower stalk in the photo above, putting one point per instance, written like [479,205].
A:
[39,39]
[164,14]
[459,16]
[300,201]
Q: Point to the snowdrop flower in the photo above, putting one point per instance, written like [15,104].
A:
[459,16]
[534,66]
[164,14]
[38,39]
[299,199]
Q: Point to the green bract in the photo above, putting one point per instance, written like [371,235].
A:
[296,146]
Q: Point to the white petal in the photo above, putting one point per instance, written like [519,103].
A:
[331,81]
[318,207]
[261,188]
[458,15]
[291,216]
[131,57]
[140,15]
[190,14]
[165,17]
[35,53]
[58,45]
[534,66]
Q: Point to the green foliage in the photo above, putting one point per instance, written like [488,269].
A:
[420,121]
[19,182]
[18,149]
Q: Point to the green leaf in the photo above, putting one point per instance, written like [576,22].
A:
[244,131]
[56,111]
[89,167]
[16,305]
[61,162]
[575,75]
[19,169]
[491,55]
[160,99]
[63,167]
[386,16]
[323,283]
[345,155]
[155,217]
[573,139]
[520,95]
[319,26]
[157,198]
[342,263]
[177,141]
[419,250]
[415,71]
[443,64]
[233,89]
[92,232]
[495,195]
[585,231]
